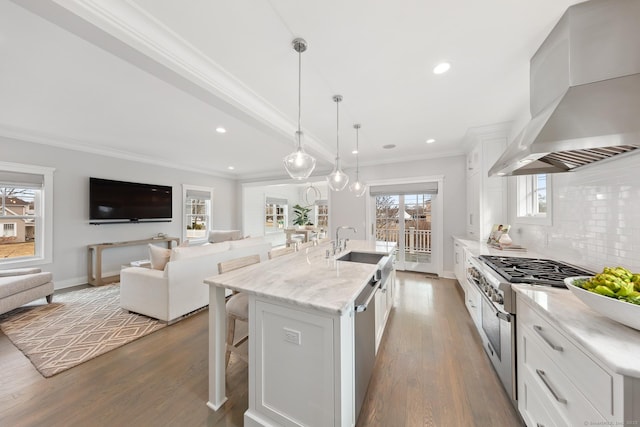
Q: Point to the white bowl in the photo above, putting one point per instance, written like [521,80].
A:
[621,311]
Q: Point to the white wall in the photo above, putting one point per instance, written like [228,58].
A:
[346,209]
[253,203]
[596,217]
[71,229]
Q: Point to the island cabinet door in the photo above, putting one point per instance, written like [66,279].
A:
[296,372]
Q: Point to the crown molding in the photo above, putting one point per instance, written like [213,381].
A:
[132,28]
[67,143]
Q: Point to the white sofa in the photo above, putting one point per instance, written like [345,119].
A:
[170,294]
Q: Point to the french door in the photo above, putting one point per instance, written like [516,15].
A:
[407,220]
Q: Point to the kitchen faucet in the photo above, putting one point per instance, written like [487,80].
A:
[338,243]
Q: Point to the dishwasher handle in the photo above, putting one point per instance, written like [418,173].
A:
[362,307]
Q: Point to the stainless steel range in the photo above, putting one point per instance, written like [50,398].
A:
[493,276]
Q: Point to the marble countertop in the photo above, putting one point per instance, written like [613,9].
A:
[306,278]
[615,345]
[481,248]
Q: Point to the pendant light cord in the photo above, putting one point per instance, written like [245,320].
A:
[299,93]
[358,153]
[337,131]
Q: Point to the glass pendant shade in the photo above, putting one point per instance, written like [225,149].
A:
[357,188]
[299,164]
[337,180]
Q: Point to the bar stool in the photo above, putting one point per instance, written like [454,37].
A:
[237,307]
[275,253]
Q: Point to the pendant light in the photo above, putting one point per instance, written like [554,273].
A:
[357,188]
[299,164]
[337,179]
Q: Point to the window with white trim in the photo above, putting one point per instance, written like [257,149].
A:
[9,229]
[197,202]
[26,214]
[533,197]
[276,216]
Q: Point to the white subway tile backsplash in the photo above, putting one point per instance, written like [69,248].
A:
[596,217]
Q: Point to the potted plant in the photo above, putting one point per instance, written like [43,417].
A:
[301,215]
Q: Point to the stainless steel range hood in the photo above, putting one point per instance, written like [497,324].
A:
[585,92]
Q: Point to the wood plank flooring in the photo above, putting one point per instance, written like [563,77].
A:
[431,371]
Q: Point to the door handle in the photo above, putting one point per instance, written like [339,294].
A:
[544,379]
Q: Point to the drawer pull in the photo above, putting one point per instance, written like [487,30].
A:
[539,425]
[471,304]
[538,329]
[543,377]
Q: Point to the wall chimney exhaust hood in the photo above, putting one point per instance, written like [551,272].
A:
[585,92]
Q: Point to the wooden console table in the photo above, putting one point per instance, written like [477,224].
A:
[97,279]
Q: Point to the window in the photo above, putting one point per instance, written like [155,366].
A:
[26,214]
[533,196]
[197,213]
[276,215]
[322,214]
[9,230]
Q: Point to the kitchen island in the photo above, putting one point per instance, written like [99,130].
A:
[301,335]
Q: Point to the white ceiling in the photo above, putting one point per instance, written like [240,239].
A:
[152,79]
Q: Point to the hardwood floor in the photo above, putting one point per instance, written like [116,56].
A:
[431,371]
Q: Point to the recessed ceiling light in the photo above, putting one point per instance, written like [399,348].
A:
[430,141]
[354,152]
[441,68]
[389,146]
[220,129]
[230,168]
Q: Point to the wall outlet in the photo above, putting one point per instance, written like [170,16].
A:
[292,336]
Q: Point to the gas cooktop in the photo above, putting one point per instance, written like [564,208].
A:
[533,270]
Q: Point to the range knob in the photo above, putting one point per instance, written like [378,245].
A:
[498,298]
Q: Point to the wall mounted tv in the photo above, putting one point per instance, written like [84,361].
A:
[118,201]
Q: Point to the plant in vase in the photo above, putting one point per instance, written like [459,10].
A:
[301,215]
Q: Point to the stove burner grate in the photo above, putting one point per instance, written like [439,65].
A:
[533,270]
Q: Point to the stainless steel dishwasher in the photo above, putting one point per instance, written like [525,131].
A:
[365,340]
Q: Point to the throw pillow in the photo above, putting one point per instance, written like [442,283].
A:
[158,256]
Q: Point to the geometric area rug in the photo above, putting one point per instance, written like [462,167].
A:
[76,327]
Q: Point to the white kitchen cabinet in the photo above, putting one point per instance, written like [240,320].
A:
[384,302]
[486,197]
[472,302]
[561,383]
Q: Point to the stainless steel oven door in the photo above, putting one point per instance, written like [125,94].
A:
[491,327]
[497,328]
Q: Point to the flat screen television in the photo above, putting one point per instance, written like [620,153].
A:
[120,201]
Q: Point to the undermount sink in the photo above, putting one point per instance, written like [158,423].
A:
[361,257]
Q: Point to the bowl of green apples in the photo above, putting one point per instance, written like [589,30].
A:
[614,293]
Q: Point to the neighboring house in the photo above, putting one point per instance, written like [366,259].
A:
[18,230]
